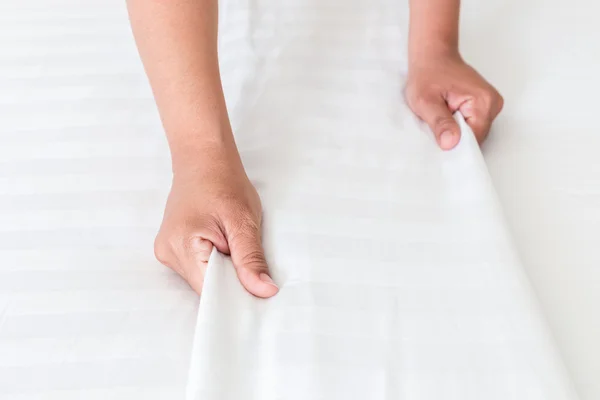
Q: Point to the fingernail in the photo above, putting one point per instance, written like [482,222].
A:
[447,140]
[267,279]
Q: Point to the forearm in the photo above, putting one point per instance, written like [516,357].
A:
[177,41]
[433,29]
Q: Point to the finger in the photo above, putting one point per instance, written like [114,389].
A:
[478,118]
[194,275]
[194,262]
[198,256]
[437,116]
[211,230]
[498,105]
[190,271]
[249,260]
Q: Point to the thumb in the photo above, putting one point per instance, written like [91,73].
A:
[250,264]
[437,115]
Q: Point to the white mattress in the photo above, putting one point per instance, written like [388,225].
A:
[85,311]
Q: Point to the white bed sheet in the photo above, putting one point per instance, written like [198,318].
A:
[543,159]
[85,311]
[418,295]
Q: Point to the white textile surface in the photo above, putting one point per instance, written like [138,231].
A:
[399,278]
[417,295]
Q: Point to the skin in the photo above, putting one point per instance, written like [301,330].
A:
[439,81]
[212,202]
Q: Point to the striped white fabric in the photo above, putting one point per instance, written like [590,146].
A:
[399,280]
[398,277]
[85,310]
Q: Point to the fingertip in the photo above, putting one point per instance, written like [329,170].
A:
[264,277]
[263,290]
[258,284]
[222,245]
[448,140]
[266,290]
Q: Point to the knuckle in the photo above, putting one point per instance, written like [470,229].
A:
[420,101]
[196,248]
[491,102]
[486,99]
[417,96]
[254,260]
[243,222]
[500,102]
[481,132]
[195,243]
[163,251]
[195,234]
[442,123]
[245,238]
[489,97]
[249,224]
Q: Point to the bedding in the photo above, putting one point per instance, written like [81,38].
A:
[369,229]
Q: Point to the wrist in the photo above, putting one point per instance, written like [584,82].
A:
[207,154]
[428,56]
[433,51]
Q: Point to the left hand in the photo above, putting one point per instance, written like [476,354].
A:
[438,87]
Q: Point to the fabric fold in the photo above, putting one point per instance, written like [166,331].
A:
[385,315]
[398,278]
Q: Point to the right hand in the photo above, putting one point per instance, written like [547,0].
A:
[216,206]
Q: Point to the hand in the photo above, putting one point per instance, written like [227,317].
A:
[216,206]
[439,86]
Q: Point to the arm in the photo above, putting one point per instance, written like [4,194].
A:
[440,82]
[177,41]
[433,29]
[212,202]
